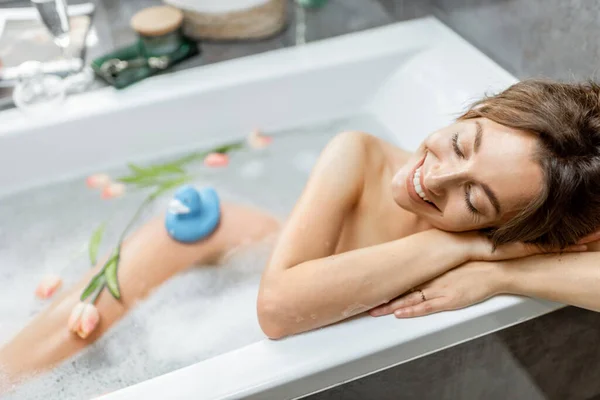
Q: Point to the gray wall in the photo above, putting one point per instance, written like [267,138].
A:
[553,357]
[551,38]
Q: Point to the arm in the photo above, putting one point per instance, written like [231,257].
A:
[572,278]
[306,286]
[148,258]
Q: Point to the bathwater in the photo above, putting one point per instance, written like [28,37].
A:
[201,313]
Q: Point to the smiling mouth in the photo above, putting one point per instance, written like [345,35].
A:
[417,185]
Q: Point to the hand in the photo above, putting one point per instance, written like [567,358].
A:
[468,284]
[482,249]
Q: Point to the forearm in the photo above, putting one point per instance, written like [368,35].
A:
[326,290]
[572,278]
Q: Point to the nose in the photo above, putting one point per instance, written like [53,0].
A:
[440,177]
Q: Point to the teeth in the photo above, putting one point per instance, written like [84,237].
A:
[417,183]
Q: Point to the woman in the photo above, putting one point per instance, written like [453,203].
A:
[520,166]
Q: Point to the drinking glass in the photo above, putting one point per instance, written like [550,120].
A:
[56,19]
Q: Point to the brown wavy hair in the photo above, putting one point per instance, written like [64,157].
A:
[565,117]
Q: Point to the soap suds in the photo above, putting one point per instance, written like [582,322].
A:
[198,314]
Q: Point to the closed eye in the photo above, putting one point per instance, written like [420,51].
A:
[470,205]
[455,146]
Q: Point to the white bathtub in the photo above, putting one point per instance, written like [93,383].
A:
[412,77]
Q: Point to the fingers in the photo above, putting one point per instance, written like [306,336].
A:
[575,248]
[423,308]
[592,237]
[410,299]
[531,249]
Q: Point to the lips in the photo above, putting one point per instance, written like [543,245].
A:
[412,191]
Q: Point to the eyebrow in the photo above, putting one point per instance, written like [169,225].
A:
[492,196]
[489,192]
[478,135]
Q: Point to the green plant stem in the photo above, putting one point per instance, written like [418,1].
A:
[137,214]
[147,177]
[97,294]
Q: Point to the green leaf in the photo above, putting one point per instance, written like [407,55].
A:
[95,243]
[229,147]
[180,162]
[145,183]
[155,175]
[156,170]
[168,168]
[110,274]
[135,168]
[168,185]
[96,281]
[137,179]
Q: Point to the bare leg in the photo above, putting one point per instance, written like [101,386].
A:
[148,258]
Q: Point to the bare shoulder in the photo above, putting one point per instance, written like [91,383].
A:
[357,145]
[373,152]
[351,159]
[346,152]
[354,143]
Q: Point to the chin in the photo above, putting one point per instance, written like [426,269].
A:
[399,191]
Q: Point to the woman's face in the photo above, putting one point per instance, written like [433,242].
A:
[470,175]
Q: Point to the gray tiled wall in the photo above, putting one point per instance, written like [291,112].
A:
[553,357]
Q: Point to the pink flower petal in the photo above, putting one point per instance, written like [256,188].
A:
[257,140]
[89,321]
[48,286]
[113,190]
[84,319]
[75,316]
[216,160]
[98,181]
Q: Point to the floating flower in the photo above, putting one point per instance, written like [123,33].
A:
[215,160]
[98,181]
[48,286]
[84,319]
[257,140]
[115,189]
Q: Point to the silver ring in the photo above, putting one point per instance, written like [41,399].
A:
[422,295]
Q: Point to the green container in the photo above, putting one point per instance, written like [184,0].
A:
[157,46]
[143,61]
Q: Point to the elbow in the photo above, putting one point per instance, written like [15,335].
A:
[270,316]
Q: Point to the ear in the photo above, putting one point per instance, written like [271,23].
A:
[592,237]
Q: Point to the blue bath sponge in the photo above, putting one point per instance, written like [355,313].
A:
[193,214]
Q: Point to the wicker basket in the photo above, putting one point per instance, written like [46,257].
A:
[258,22]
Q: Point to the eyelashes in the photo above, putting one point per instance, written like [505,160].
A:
[455,146]
[459,153]
[470,206]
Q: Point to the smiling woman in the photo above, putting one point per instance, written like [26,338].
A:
[563,121]
[454,179]
[522,166]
